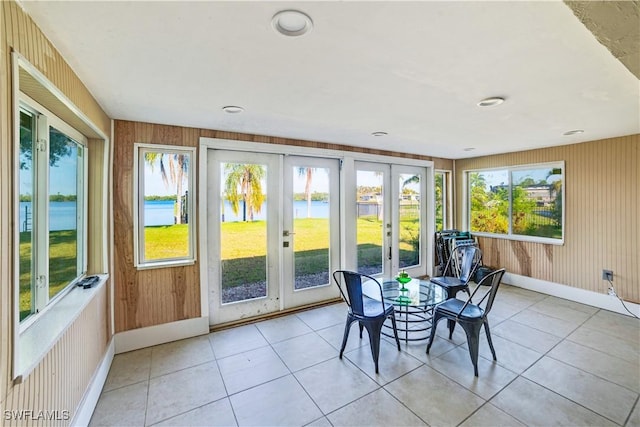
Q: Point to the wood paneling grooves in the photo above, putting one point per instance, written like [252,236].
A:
[155,296]
[61,378]
[602,201]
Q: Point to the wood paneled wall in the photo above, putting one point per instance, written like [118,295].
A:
[62,377]
[151,297]
[602,202]
[59,382]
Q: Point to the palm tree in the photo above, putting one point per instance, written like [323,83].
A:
[178,165]
[308,172]
[243,183]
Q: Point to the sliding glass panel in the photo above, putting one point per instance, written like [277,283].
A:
[243,231]
[27,198]
[489,204]
[310,226]
[369,223]
[409,219]
[65,213]
[536,197]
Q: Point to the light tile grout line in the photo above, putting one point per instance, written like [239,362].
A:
[545,354]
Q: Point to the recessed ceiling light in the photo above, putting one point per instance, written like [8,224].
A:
[291,23]
[469,149]
[490,102]
[232,109]
[379,133]
[573,132]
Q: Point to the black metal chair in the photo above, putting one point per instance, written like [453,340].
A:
[368,312]
[470,316]
[462,264]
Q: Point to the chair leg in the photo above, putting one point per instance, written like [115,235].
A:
[395,329]
[434,322]
[473,337]
[347,326]
[374,340]
[451,324]
[488,332]
[361,327]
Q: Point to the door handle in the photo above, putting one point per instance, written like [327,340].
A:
[389,252]
[287,233]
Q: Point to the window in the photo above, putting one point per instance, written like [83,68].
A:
[52,209]
[524,202]
[442,200]
[165,231]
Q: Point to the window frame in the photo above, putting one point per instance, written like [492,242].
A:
[44,119]
[510,235]
[138,206]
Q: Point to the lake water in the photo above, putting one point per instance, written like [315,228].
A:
[62,215]
[161,212]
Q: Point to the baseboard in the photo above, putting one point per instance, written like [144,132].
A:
[159,334]
[90,399]
[582,296]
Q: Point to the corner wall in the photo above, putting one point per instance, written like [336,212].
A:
[63,375]
[602,202]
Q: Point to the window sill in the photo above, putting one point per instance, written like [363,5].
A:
[533,239]
[38,339]
[165,264]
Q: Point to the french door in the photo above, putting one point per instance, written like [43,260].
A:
[311,237]
[390,219]
[273,232]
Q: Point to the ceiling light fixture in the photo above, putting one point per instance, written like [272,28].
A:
[232,109]
[469,149]
[379,133]
[573,132]
[490,102]
[291,23]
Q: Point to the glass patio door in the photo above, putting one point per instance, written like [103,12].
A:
[310,236]
[390,219]
[243,222]
[273,232]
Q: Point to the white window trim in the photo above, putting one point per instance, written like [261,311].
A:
[138,208]
[510,236]
[52,322]
[44,120]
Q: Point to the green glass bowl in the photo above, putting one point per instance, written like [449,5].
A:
[403,280]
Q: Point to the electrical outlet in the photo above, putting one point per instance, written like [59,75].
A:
[607,275]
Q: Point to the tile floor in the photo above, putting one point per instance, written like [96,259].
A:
[559,363]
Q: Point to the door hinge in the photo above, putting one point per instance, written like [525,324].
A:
[41,145]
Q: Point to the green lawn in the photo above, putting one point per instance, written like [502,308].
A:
[243,250]
[62,265]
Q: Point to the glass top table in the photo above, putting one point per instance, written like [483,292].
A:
[413,303]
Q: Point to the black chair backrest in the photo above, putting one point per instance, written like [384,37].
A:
[469,261]
[492,279]
[353,283]
[463,262]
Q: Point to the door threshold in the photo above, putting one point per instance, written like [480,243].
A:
[255,319]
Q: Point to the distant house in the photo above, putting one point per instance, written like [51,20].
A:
[371,197]
[543,194]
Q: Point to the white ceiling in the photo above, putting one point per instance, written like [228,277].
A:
[413,69]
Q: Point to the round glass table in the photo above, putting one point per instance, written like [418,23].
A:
[413,302]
